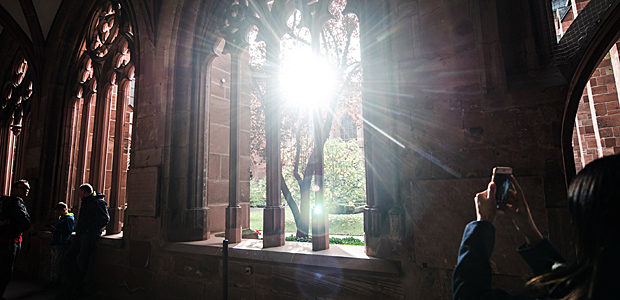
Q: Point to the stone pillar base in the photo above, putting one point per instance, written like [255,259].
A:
[273,226]
[375,224]
[233,224]
[373,221]
[188,225]
[116,218]
[320,231]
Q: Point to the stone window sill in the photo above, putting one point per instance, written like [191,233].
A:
[112,240]
[347,257]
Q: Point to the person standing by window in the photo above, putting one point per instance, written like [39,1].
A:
[14,220]
[92,218]
[61,232]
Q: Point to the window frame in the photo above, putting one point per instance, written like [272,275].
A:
[105,75]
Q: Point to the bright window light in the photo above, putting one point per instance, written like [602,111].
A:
[307,81]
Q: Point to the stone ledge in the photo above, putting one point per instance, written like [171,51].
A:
[112,240]
[343,256]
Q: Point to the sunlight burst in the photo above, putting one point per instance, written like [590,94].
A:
[307,81]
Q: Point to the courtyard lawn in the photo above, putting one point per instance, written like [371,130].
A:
[350,224]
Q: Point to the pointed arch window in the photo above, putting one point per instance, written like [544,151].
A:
[15,101]
[319,27]
[101,111]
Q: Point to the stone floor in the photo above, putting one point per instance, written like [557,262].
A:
[22,287]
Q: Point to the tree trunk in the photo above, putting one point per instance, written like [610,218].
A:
[290,201]
[303,227]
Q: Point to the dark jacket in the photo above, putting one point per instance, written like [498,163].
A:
[472,276]
[62,230]
[93,214]
[13,209]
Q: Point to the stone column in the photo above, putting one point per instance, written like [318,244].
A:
[320,219]
[118,163]
[5,150]
[320,227]
[80,176]
[186,213]
[100,136]
[381,169]
[83,139]
[273,226]
[233,211]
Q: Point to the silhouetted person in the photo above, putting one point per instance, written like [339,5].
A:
[14,220]
[594,203]
[61,232]
[92,218]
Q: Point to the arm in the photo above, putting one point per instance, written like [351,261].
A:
[541,257]
[538,252]
[101,214]
[19,218]
[65,227]
[472,276]
[519,212]
[471,279]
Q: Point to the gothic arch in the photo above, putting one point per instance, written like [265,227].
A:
[20,37]
[91,145]
[579,52]
[17,94]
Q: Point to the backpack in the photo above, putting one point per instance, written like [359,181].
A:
[13,209]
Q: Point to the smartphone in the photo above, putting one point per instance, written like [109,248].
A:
[501,178]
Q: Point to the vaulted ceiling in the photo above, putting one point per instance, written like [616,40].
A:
[32,18]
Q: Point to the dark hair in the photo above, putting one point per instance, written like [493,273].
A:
[61,205]
[87,188]
[594,202]
[21,181]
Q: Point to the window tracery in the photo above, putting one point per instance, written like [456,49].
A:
[15,104]
[98,150]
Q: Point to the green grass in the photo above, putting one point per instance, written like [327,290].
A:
[338,224]
[332,240]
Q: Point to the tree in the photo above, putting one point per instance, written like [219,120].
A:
[338,43]
[345,179]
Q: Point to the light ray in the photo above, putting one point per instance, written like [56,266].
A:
[434,160]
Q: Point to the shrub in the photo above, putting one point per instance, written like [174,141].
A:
[345,176]
[258,192]
[332,240]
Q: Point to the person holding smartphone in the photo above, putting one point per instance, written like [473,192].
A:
[594,203]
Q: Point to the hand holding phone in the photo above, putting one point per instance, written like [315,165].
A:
[517,209]
[501,178]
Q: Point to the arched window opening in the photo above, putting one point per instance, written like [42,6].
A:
[102,112]
[306,77]
[596,132]
[14,110]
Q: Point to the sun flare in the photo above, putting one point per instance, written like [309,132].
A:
[307,81]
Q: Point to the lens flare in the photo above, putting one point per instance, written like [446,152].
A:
[306,80]
[328,279]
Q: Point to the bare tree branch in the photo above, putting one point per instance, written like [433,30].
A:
[297,153]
